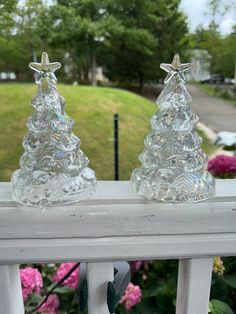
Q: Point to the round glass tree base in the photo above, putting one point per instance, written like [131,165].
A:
[168,186]
[44,189]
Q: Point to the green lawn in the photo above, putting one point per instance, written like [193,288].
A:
[92,109]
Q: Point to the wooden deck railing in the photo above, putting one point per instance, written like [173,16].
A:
[118,225]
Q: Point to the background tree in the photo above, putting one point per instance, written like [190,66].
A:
[86,25]
[126,38]
[7,44]
[152,29]
[24,31]
[119,35]
[7,9]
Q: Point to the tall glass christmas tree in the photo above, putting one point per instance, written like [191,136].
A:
[53,168]
[173,163]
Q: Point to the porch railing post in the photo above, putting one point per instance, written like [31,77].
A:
[98,276]
[194,282]
[11,300]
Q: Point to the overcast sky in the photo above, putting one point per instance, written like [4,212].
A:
[197,13]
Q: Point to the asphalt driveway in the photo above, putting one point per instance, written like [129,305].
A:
[214,112]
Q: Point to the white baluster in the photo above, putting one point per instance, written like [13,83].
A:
[11,301]
[98,275]
[194,283]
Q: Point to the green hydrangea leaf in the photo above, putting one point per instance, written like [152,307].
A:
[219,307]
[230,280]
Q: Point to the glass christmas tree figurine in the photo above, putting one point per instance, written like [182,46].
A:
[53,169]
[173,163]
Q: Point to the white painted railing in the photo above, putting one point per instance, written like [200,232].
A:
[118,225]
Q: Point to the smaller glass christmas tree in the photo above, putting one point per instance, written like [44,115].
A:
[53,168]
[173,163]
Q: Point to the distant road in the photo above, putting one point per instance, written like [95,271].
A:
[214,112]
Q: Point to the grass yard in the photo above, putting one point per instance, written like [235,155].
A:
[92,109]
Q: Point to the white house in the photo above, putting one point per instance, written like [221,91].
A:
[201,62]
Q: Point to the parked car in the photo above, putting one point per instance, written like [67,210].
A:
[214,79]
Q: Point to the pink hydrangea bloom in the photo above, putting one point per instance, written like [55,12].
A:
[50,306]
[31,281]
[72,281]
[222,166]
[136,265]
[132,296]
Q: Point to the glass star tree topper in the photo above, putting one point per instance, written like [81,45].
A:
[53,168]
[173,163]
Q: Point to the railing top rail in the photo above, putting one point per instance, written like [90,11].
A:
[117,224]
[116,210]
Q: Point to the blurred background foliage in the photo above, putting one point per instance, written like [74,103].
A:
[127,38]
